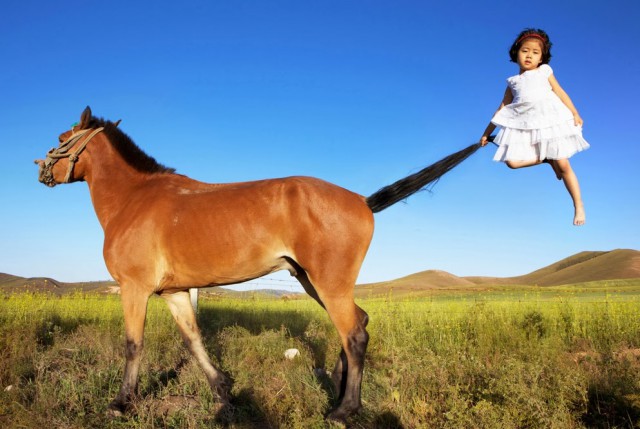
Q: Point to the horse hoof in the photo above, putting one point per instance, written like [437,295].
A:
[116,410]
[114,413]
[224,411]
[342,413]
[337,419]
[333,423]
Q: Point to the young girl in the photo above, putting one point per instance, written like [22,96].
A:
[538,122]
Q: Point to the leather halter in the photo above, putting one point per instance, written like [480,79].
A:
[63,151]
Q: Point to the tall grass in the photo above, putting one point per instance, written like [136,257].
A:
[493,360]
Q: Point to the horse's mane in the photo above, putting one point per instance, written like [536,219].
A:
[130,152]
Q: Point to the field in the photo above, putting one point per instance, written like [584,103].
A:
[502,358]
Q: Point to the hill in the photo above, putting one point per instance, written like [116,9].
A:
[12,284]
[15,284]
[583,267]
[431,279]
[579,268]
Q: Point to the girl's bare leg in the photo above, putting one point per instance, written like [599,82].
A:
[522,164]
[562,169]
[556,169]
[571,183]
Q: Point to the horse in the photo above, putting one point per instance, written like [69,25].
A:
[165,233]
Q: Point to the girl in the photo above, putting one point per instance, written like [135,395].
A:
[538,122]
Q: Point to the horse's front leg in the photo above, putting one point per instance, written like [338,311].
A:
[134,305]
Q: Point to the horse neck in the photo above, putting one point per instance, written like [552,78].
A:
[111,181]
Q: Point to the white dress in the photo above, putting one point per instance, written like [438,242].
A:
[537,124]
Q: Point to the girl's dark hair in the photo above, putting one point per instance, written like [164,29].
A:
[538,35]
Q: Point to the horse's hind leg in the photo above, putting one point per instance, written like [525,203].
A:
[350,321]
[339,374]
[134,305]
[180,306]
[308,287]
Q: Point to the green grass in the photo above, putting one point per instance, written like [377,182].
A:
[505,358]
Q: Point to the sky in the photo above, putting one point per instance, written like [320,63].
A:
[358,93]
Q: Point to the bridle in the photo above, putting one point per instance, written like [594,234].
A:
[64,151]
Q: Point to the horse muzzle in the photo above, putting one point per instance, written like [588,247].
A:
[45,175]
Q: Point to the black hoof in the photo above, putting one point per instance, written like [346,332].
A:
[117,408]
[340,415]
[115,412]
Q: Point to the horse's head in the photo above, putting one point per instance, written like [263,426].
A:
[58,166]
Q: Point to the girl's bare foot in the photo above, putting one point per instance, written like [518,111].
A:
[579,217]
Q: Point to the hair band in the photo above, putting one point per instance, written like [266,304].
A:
[536,35]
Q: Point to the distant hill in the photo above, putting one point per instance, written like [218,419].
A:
[12,284]
[580,268]
[433,279]
[7,278]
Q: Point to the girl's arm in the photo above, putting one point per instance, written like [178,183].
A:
[507,99]
[564,97]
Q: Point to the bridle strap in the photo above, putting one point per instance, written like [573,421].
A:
[62,151]
[73,158]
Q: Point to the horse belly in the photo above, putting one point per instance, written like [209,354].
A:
[217,251]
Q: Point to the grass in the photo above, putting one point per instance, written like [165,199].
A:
[506,358]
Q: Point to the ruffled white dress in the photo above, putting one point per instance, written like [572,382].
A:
[537,124]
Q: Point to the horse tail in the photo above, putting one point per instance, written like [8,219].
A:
[403,188]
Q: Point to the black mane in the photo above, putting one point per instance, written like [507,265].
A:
[130,152]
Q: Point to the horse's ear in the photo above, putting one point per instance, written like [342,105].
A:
[116,123]
[85,118]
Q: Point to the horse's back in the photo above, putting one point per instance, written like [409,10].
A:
[289,196]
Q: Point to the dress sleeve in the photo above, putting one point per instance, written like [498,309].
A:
[546,70]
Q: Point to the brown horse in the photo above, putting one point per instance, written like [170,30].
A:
[166,233]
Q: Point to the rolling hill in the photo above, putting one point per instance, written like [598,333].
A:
[583,267]
[588,266]
[12,284]
[579,268]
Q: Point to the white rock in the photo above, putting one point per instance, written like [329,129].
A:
[291,353]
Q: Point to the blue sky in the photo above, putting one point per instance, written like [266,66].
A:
[359,93]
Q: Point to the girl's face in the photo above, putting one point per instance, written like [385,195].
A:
[530,54]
